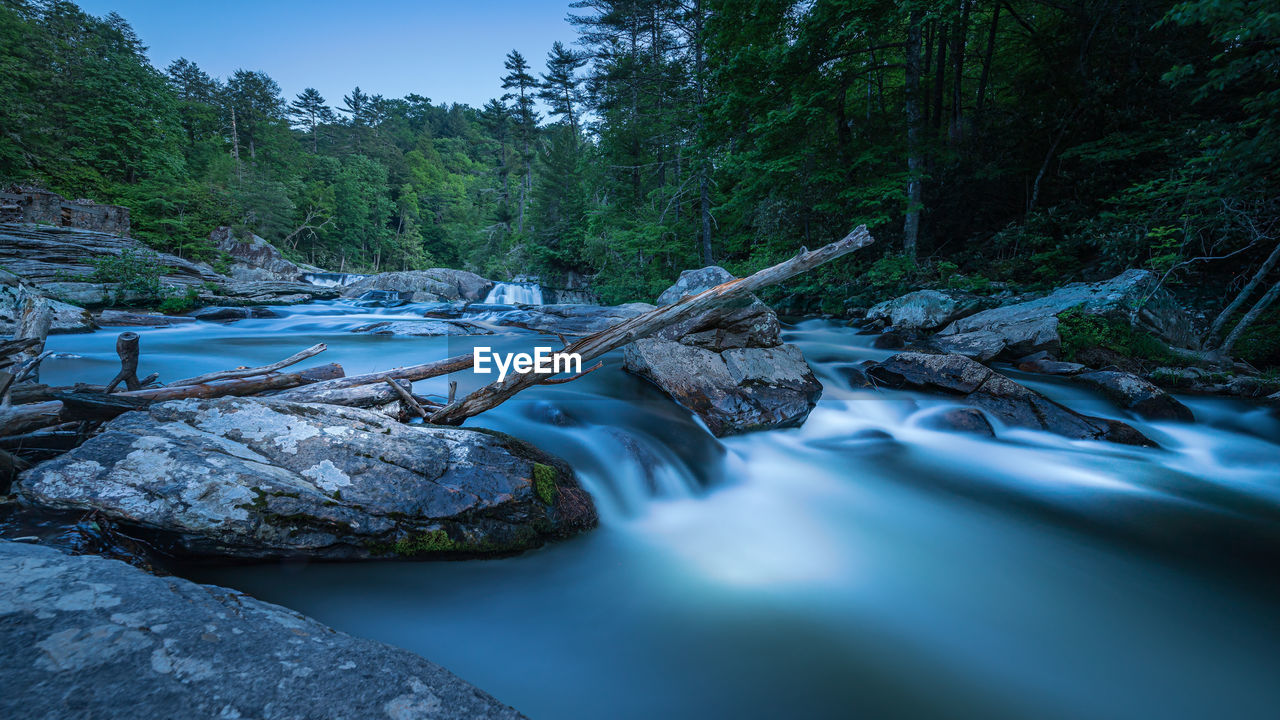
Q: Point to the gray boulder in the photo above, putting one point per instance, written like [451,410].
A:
[267,478]
[433,285]
[1030,326]
[228,314]
[925,309]
[268,292]
[64,317]
[1133,393]
[971,383]
[570,319]
[255,258]
[88,637]
[728,365]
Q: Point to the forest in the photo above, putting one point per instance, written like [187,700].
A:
[989,144]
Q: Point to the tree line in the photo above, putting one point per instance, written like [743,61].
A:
[1023,142]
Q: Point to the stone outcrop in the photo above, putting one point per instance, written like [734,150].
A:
[1031,326]
[728,366]
[65,318]
[925,310]
[433,285]
[88,637]
[266,478]
[971,383]
[254,259]
[1133,393]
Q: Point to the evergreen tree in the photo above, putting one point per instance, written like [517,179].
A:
[309,112]
[525,120]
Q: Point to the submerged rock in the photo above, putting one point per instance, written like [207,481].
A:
[431,285]
[421,328]
[85,636]
[1026,327]
[974,384]
[728,365]
[1133,393]
[925,309]
[267,478]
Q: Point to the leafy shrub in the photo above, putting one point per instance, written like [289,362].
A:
[180,302]
[136,275]
[1080,332]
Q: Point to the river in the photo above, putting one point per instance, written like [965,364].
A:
[859,566]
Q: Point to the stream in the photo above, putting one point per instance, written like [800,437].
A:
[860,566]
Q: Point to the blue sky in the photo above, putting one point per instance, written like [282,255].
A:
[448,51]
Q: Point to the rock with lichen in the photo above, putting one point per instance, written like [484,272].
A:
[269,478]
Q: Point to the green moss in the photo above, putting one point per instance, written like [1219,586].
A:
[435,541]
[544,482]
[1080,331]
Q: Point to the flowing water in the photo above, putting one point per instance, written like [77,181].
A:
[515,293]
[860,566]
[331,279]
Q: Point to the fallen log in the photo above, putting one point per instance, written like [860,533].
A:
[593,346]
[364,396]
[409,372]
[21,418]
[293,359]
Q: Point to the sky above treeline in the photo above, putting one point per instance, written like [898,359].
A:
[447,51]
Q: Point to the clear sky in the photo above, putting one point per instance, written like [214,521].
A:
[447,51]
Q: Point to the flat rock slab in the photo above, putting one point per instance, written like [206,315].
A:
[88,637]
[420,328]
[974,384]
[265,478]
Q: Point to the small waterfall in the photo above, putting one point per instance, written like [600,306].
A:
[515,293]
[325,279]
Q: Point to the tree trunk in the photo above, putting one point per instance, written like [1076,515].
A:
[911,226]
[957,63]
[940,76]
[1230,310]
[1258,308]
[986,61]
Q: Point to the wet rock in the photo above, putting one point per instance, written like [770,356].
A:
[570,319]
[421,328]
[1133,393]
[1032,325]
[254,258]
[431,285]
[85,636]
[855,376]
[270,292]
[228,314]
[925,310]
[975,384]
[64,317]
[1051,367]
[266,478]
[888,341]
[729,365]
[963,420]
[383,298]
[124,318]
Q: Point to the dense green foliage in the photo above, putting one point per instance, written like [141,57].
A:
[1047,141]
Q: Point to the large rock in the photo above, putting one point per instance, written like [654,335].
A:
[254,258]
[1133,393]
[728,365]
[265,478]
[971,383]
[270,292]
[1030,326]
[925,310]
[433,285]
[88,637]
[64,317]
[570,319]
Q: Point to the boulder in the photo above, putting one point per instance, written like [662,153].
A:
[974,384]
[269,292]
[64,317]
[254,258]
[963,420]
[228,314]
[124,318]
[85,637]
[421,328]
[1045,366]
[925,310]
[729,365]
[1024,327]
[889,341]
[1133,393]
[432,285]
[566,319]
[266,478]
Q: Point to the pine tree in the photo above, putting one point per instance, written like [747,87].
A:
[308,112]
[526,120]
[560,88]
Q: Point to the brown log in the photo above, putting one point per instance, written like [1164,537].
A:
[408,399]
[364,396]
[250,372]
[21,418]
[411,373]
[127,349]
[593,346]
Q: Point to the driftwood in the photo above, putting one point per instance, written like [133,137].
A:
[593,346]
[127,349]
[406,397]
[21,418]
[371,395]
[250,372]
[412,373]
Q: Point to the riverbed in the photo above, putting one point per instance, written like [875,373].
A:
[862,565]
